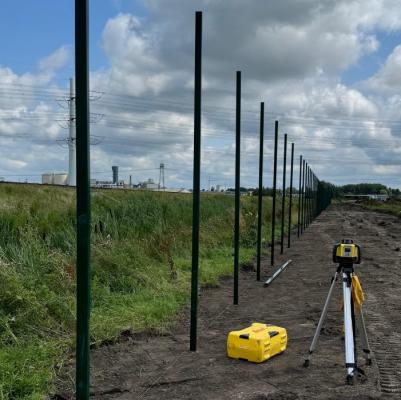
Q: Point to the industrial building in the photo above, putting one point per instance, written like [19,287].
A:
[115,183]
[149,185]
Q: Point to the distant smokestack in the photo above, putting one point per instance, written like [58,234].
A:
[115,174]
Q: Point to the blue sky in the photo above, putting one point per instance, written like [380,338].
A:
[369,64]
[39,27]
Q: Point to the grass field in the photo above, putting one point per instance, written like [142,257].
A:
[392,206]
[141,252]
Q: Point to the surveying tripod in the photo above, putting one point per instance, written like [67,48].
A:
[347,254]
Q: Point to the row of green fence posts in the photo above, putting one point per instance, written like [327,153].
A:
[313,197]
[325,194]
[318,195]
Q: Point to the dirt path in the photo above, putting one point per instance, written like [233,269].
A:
[163,368]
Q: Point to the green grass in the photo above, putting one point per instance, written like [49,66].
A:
[141,264]
[392,206]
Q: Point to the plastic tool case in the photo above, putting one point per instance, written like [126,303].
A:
[257,343]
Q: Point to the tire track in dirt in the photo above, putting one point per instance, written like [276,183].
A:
[386,352]
[378,233]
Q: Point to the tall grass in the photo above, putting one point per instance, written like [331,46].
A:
[141,248]
[391,206]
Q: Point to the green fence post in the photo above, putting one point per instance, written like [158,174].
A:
[237,185]
[259,238]
[273,222]
[290,205]
[303,197]
[83,198]
[283,195]
[196,181]
[299,196]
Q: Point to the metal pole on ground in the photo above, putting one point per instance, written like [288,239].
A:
[196,181]
[259,240]
[299,197]
[290,203]
[273,221]
[237,184]
[283,195]
[83,198]
[277,273]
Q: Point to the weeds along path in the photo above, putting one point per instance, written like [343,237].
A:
[154,367]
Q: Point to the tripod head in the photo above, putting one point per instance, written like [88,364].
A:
[346,254]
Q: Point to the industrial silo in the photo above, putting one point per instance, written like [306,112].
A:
[60,179]
[47,179]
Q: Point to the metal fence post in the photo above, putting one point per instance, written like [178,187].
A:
[273,221]
[283,195]
[307,197]
[313,195]
[303,196]
[299,196]
[237,184]
[259,239]
[290,205]
[83,198]
[310,196]
[196,181]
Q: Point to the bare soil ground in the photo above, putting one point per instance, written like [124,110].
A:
[161,367]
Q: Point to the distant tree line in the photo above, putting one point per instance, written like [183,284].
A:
[367,188]
[338,191]
[363,188]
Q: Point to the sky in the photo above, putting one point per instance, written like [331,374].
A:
[329,72]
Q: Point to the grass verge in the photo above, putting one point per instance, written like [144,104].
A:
[141,252]
[392,206]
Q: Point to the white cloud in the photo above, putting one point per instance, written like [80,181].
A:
[18,164]
[56,60]
[28,119]
[132,52]
[388,79]
[292,55]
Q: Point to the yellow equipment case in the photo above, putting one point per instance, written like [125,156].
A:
[257,343]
